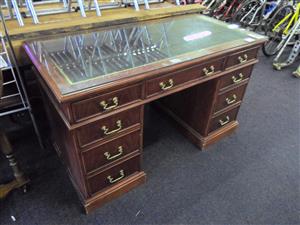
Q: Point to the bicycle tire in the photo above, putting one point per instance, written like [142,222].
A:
[272,46]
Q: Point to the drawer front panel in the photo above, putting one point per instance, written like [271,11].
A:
[229,98]
[111,151]
[169,82]
[106,102]
[108,127]
[114,175]
[241,57]
[223,119]
[235,78]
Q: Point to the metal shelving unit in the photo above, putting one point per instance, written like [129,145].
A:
[18,9]
[16,99]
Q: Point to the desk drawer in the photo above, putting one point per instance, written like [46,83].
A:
[111,151]
[229,98]
[235,78]
[241,57]
[106,102]
[108,127]
[169,82]
[223,119]
[114,174]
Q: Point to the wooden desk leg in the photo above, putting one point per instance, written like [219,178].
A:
[20,180]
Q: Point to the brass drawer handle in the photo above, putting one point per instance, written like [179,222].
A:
[223,122]
[231,100]
[243,58]
[237,80]
[110,157]
[209,71]
[106,105]
[166,85]
[112,180]
[106,130]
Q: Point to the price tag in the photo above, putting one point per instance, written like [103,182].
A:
[249,39]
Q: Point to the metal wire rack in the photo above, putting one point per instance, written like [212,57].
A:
[14,96]
[17,9]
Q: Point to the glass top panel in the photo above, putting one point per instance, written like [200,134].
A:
[81,61]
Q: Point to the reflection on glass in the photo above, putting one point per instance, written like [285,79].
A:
[100,53]
[84,57]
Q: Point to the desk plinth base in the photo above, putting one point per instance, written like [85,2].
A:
[194,136]
[114,192]
[203,142]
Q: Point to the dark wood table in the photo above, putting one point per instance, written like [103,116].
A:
[97,82]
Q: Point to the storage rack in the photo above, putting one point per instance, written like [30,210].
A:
[17,99]
[14,7]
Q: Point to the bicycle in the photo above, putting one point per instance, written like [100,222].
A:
[278,28]
[283,59]
[212,6]
[256,13]
[227,11]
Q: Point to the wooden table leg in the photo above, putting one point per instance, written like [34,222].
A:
[20,180]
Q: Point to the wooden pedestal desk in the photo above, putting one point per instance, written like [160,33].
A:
[97,83]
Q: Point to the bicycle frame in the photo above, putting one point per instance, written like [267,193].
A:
[294,18]
[210,3]
[234,2]
[220,8]
[251,10]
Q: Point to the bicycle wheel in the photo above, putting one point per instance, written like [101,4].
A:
[277,17]
[273,45]
[243,10]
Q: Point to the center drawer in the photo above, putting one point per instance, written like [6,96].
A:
[172,81]
[114,175]
[107,127]
[111,151]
